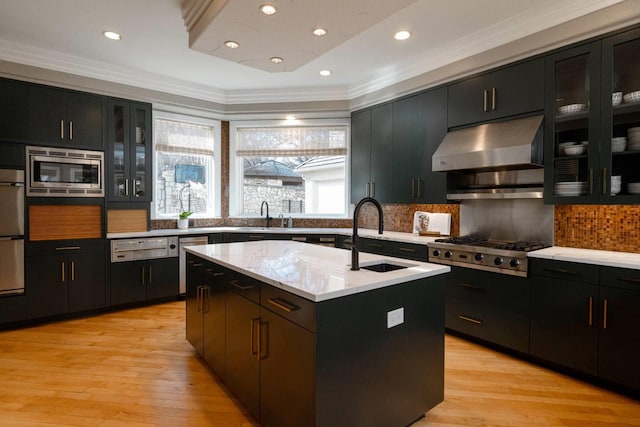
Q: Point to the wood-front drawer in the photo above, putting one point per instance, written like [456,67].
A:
[292,307]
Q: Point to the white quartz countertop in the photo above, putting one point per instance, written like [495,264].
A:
[313,272]
[589,256]
[362,232]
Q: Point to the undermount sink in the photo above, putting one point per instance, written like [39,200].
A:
[383,267]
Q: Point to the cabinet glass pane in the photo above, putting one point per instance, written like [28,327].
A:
[140,165]
[625,134]
[118,160]
[571,139]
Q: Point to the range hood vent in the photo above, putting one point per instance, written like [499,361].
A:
[508,145]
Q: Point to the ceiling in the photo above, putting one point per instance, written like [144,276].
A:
[155,53]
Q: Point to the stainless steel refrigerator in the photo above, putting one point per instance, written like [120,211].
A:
[11,232]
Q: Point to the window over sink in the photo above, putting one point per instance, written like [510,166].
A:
[187,161]
[298,167]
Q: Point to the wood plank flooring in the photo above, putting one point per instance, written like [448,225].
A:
[134,368]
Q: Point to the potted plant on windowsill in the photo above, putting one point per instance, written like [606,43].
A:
[183,219]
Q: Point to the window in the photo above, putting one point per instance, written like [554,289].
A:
[186,165]
[300,170]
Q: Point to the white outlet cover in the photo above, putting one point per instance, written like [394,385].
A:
[395,317]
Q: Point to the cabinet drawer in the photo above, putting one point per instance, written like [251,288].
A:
[375,246]
[410,251]
[292,307]
[243,285]
[624,278]
[564,270]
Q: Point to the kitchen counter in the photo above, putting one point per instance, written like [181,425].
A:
[362,232]
[313,272]
[589,256]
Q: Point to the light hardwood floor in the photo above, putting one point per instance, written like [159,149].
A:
[134,368]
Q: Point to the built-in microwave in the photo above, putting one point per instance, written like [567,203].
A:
[62,172]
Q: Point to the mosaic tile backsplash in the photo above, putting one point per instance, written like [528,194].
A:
[604,227]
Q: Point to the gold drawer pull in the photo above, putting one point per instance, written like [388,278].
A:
[283,305]
[238,285]
[470,319]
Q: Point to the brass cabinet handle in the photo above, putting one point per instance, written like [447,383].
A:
[61,129]
[590,311]
[413,187]
[373,189]
[629,279]
[283,305]
[62,271]
[605,306]
[67,248]
[199,298]
[150,275]
[197,264]
[419,187]
[485,94]
[238,285]
[469,286]
[411,251]
[126,186]
[604,180]
[493,98]
[142,275]
[216,274]
[562,271]
[70,129]
[205,298]
[591,181]
[470,319]
[254,348]
[367,189]
[376,245]
[263,354]
[73,271]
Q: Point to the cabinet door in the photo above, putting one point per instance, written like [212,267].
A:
[360,154]
[118,157]
[140,140]
[564,327]
[46,286]
[433,121]
[619,339]
[13,110]
[193,303]
[620,146]
[408,140]
[162,278]
[469,101]
[47,115]
[214,324]
[128,282]
[381,153]
[85,120]
[286,373]
[572,116]
[518,89]
[242,358]
[87,287]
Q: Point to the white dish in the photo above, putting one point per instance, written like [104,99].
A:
[632,97]
[574,150]
[618,146]
[616,98]
[572,108]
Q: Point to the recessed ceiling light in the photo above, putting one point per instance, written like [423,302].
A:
[325,73]
[111,35]
[319,32]
[276,59]
[402,35]
[268,9]
[231,44]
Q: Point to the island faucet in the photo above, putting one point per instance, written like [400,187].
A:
[355,254]
[268,218]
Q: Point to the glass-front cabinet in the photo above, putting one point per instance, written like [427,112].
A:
[593,123]
[129,155]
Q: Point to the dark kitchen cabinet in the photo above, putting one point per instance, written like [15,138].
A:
[206,311]
[129,149]
[419,125]
[591,95]
[13,110]
[565,313]
[70,280]
[62,117]
[394,248]
[13,308]
[508,91]
[371,152]
[619,337]
[136,281]
[490,306]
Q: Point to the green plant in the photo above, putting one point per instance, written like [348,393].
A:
[184,215]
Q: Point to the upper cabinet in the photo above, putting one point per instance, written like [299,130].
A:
[592,129]
[13,110]
[128,151]
[509,91]
[60,117]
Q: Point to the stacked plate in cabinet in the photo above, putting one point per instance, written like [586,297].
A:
[634,138]
[633,187]
[571,188]
[616,184]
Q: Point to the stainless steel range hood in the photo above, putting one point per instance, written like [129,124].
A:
[508,145]
[501,160]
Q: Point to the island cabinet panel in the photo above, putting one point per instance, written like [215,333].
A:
[619,338]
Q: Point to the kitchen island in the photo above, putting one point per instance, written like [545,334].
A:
[301,339]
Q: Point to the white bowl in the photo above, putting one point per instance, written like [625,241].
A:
[632,97]
[574,150]
[572,108]
[618,146]
[616,98]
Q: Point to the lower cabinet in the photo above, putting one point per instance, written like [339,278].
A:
[65,279]
[137,281]
[490,306]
